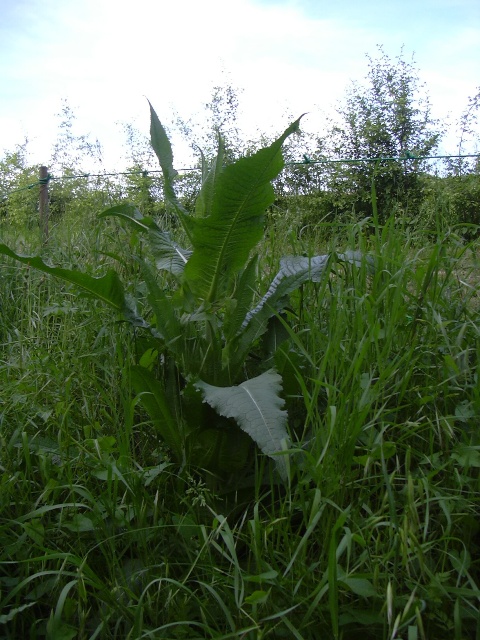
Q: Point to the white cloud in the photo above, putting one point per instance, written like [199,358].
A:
[105,57]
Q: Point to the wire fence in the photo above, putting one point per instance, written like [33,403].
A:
[48,203]
[305,162]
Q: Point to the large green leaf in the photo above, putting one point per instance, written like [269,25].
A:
[162,147]
[163,150]
[243,299]
[168,327]
[223,240]
[257,408]
[107,288]
[294,271]
[153,398]
[128,212]
[169,255]
[219,449]
[203,204]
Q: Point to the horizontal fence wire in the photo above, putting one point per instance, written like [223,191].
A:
[305,162]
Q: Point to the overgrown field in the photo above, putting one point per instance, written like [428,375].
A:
[365,522]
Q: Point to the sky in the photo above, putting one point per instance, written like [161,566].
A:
[288,57]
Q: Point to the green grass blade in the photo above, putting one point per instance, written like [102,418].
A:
[107,288]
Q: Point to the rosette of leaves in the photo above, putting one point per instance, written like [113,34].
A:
[193,379]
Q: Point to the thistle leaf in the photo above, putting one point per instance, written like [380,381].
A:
[162,147]
[243,298]
[257,408]
[223,240]
[155,401]
[169,255]
[203,204]
[219,450]
[167,325]
[163,150]
[294,271]
[128,212]
[107,288]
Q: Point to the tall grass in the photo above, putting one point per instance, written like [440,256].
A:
[376,533]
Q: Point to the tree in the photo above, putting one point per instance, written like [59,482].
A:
[70,151]
[222,112]
[387,121]
[142,183]
[459,190]
[468,137]
[18,199]
[219,117]
[73,158]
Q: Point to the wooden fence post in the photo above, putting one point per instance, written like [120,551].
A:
[43,208]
